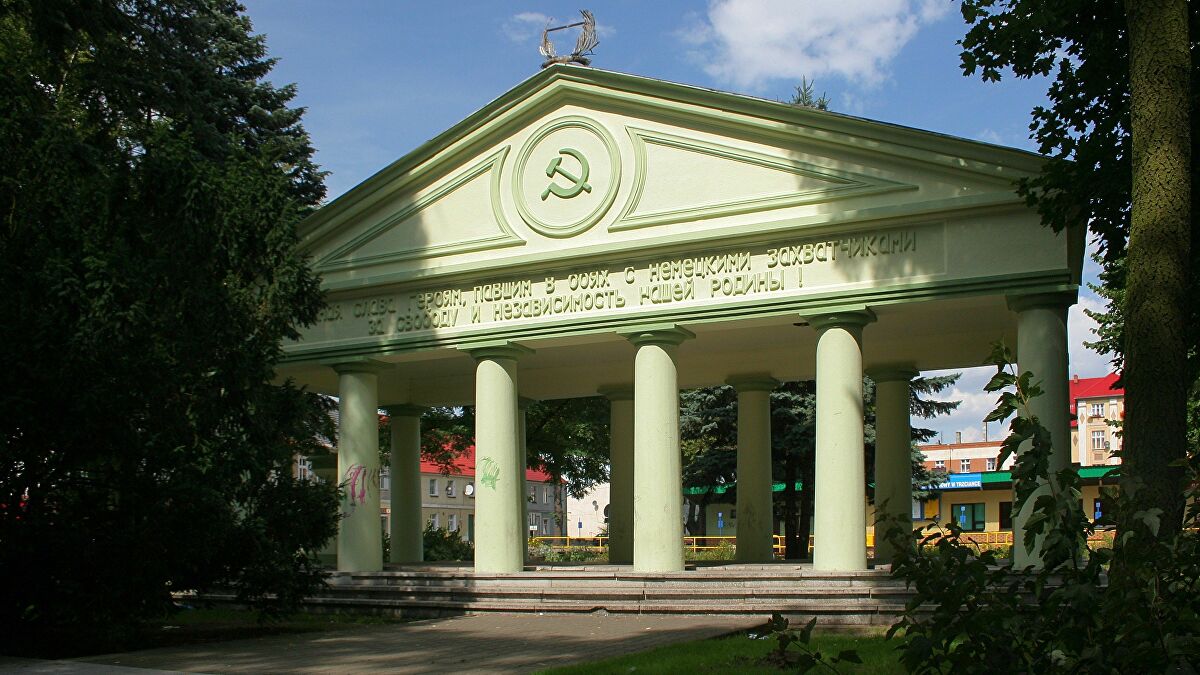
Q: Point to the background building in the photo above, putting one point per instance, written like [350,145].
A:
[1099,407]
[588,517]
[448,500]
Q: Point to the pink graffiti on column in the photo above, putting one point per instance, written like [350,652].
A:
[358,481]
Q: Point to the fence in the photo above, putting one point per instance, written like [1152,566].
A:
[706,543]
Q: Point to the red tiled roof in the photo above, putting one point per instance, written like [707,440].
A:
[464,465]
[1092,387]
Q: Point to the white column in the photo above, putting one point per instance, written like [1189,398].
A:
[657,473]
[840,515]
[756,515]
[621,474]
[893,452]
[360,534]
[522,473]
[499,532]
[1042,350]
[407,543]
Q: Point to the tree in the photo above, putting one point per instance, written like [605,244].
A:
[1118,135]
[566,438]
[152,183]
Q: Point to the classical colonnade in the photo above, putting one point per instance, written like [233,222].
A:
[646,477]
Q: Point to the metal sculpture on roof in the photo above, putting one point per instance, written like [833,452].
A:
[584,45]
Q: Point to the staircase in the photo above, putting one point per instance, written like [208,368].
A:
[427,591]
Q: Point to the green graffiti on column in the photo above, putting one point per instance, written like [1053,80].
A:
[489,472]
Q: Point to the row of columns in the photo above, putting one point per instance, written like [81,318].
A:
[646,517]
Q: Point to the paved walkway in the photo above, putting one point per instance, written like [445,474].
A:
[484,643]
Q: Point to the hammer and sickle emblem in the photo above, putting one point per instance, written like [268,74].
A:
[578,183]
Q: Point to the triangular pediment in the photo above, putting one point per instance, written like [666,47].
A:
[576,163]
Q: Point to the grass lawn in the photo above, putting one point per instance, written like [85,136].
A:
[741,654]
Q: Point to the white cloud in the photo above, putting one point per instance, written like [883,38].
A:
[746,43]
[990,136]
[1082,328]
[975,405]
[526,26]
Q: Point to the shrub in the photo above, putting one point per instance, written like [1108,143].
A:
[724,551]
[971,615]
[442,544]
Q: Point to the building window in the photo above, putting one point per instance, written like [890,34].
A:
[304,470]
[434,521]
[939,464]
[1097,410]
[432,487]
[1006,515]
[964,465]
[545,494]
[918,510]
[991,464]
[532,494]
[1098,440]
[385,479]
[470,527]
[449,488]
[452,522]
[969,517]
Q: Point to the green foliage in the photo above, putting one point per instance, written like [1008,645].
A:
[805,96]
[442,544]
[972,615]
[577,554]
[794,648]
[152,183]
[723,551]
[567,439]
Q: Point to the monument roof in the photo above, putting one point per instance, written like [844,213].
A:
[561,83]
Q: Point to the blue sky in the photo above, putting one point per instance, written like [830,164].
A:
[381,77]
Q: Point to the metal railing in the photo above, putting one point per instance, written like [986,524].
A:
[779,541]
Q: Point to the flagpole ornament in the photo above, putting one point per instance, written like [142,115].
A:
[584,45]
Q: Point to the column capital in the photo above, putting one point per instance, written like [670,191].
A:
[657,334]
[1053,300]
[500,349]
[850,316]
[405,410]
[359,366]
[752,382]
[892,372]
[616,392]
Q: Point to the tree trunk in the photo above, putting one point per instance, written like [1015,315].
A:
[790,542]
[1155,428]
[808,484]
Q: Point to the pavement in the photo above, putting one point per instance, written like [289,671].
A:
[481,643]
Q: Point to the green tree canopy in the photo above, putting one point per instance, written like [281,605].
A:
[566,438]
[151,185]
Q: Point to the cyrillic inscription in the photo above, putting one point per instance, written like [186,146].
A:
[786,268]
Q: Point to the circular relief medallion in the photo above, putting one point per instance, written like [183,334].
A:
[567,176]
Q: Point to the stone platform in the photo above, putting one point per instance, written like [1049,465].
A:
[438,590]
